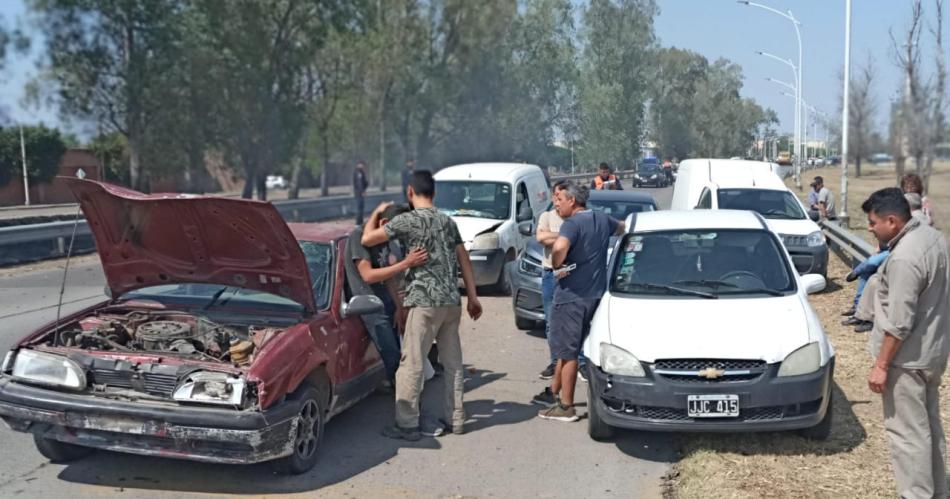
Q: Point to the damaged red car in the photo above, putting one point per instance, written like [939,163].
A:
[229,337]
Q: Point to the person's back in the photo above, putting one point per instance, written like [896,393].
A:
[434,284]
[589,232]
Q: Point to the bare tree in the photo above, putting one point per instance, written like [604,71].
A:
[861,114]
[907,53]
[937,95]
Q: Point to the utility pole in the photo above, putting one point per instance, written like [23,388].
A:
[26,179]
[844,114]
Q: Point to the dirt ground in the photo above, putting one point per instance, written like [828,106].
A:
[854,462]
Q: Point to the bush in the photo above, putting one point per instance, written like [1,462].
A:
[44,150]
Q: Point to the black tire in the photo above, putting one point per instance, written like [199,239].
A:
[59,452]
[311,416]
[503,286]
[822,430]
[596,427]
[525,324]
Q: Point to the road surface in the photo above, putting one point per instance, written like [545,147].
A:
[506,452]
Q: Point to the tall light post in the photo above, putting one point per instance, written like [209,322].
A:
[26,179]
[791,17]
[798,110]
[844,113]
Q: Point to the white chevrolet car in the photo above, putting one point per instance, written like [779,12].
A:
[706,326]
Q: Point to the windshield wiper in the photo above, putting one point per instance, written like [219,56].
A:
[768,291]
[710,283]
[672,289]
[214,298]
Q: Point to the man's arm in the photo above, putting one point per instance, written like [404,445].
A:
[373,234]
[559,251]
[546,237]
[905,282]
[468,277]
[372,276]
[621,227]
[889,348]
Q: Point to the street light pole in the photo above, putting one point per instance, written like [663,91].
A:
[844,113]
[798,111]
[26,180]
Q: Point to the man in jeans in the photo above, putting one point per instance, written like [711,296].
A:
[549,223]
[360,184]
[910,342]
[369,272]
[432,297]
[583,242]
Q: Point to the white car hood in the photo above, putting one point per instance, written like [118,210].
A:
[793,227]
[767,328]
[469,227]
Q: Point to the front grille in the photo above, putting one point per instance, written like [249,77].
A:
[794,240]
[161,385]
[692,371]
[693,379]
[698,364]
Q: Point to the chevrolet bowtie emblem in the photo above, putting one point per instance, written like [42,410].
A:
[711,373]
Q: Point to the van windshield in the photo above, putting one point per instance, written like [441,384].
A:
[473,199]
[773,204]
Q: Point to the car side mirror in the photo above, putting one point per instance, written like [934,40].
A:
[526,228]
[363,305]
[814,215]
[813,283]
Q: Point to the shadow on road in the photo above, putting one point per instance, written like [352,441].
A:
[352,444]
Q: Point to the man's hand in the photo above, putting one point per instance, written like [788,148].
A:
[474,308]
[416,258]
[382,207]
[877,379]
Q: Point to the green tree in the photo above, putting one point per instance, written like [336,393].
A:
[672,101]
[44,150]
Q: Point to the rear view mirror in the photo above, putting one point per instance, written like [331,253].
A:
[526,228]
[363,305]
[813,283]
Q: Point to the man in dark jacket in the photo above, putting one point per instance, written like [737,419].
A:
[360,183]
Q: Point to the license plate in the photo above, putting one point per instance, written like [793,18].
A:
[712,406]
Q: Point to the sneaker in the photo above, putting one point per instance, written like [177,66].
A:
[548,372]
[558,412]
[457,429]
[848,313]
[397,433]
[580,373]
[430,428]
[864,327]
[546,397]
[852,321]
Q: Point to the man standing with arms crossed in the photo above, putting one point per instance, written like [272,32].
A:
[583,242]
[549,224]
[434,304]
[910,342]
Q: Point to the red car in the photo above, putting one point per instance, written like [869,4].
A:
[229,337]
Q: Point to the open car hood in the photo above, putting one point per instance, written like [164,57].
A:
[153,239]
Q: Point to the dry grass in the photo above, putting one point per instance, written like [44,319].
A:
[854,462]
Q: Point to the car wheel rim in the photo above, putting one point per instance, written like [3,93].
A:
[307,434]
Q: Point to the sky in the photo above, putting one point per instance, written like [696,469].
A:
[713,28]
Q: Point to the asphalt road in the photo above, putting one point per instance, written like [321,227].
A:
[507,451]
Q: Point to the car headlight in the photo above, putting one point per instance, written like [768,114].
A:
[7,362]
[486,241]
[636,175]
[815,239]
[529,266]
[616,360]
[48,369]
[652,177]
[211,388]
[805,360]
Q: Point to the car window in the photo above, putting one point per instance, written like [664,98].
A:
[473,199]
[617,208]
[722,263]
[523,210]
[705,200]
[773,204]
[319,258]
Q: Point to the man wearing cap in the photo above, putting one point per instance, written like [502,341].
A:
[825,204]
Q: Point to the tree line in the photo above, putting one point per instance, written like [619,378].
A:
[306,88]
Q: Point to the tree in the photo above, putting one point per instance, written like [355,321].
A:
[672,101]
[44,150]
[109,63]
[861,111]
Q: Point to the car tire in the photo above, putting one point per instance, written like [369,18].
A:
[525,324]
[822,430]
[311,416]
[59,452]
[596,427]
[503,286]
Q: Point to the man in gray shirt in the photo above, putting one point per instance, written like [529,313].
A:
[910,342]
[825,200]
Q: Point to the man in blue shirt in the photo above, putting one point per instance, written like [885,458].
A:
[578,258]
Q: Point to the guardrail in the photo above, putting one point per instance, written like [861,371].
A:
[846,244]
[28,243]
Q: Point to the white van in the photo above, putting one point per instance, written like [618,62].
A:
[496,207]
[754,185]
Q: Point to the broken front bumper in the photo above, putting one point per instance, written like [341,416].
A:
[148,428]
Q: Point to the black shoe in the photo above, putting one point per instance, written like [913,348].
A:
[864,327]
[548,372]
[852,321]
[457,429]
[397,433]
[851,277]
[848,313]
[546,397]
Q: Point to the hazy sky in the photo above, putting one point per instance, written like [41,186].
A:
[714,28]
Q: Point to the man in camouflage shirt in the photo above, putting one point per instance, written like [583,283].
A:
[434,304]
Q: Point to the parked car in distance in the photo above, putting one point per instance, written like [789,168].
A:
[650,174]
[496,207]
[228,337]
[526,274]
[784,158]
[276,182]
[716,184]
[881,158]
[724,337]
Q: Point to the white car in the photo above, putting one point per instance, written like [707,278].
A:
[276,182]
[706,326]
